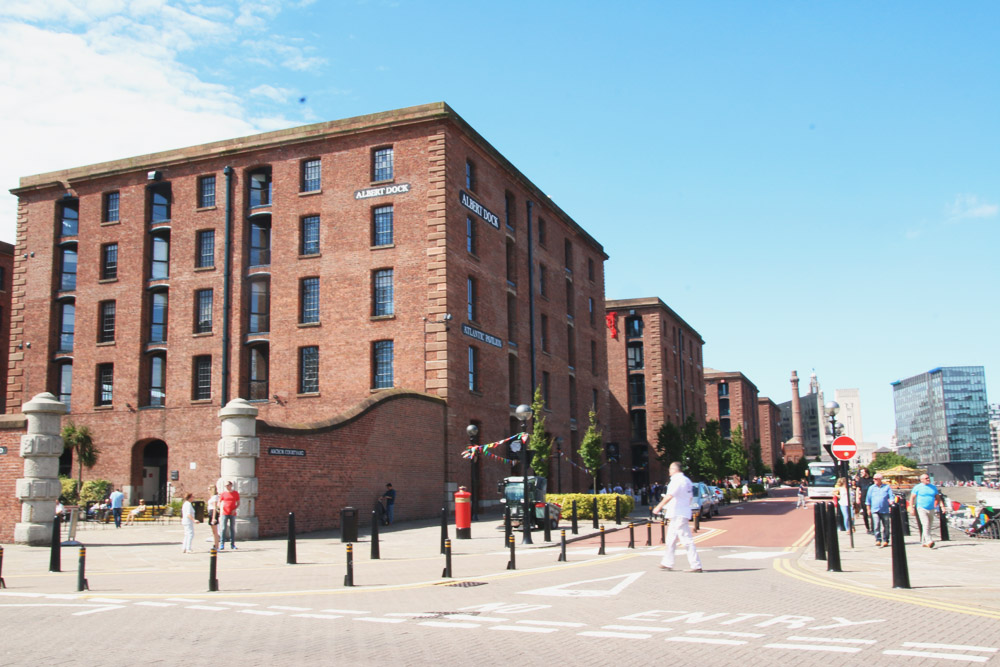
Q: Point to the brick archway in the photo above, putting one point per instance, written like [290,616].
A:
[149,475]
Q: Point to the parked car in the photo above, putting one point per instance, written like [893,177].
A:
[720,496]
[704,499]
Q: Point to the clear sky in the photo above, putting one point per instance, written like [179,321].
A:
[812,186]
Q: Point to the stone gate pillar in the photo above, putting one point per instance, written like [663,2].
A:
[39,489]
[239,448]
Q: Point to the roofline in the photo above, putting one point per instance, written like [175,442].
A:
[713,374]
[649,302]
[424,113]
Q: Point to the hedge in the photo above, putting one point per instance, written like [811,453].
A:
[584,502]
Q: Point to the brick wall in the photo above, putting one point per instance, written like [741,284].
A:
[12,427]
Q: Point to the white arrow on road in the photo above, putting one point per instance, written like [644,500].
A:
[572,589]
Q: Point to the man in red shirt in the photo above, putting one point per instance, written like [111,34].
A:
[229,502]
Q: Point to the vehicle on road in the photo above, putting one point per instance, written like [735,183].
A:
[512,491]
[703,499]
[822,478]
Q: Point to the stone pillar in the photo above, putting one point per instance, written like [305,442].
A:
[239,448]
[39,489]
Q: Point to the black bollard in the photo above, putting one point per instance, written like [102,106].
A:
[547,531]
[444,527]
[376,554]
[576,528]
[904,517]
[3,584]
[594,510]
[631,536]
[349,577]
[944,525]
[649,534]
[920,524]
[900,571]
[663,531]
[213,581]
[507,529]
[290,556]
[600,552]
[512,563]
[55,554]
[81,571]
[618,510]
[562,548]
[819,530]
[832,544]
[447,560]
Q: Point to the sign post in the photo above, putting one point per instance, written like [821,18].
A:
[844,449]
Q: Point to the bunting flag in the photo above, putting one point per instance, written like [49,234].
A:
[472,451]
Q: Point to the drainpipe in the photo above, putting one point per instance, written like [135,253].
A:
[531,307]
[227,305]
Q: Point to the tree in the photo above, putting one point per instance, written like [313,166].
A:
[890,460]
[715,450]
[781,470]
[592,449]
[669,444]
[736,454]
[689,431]
[758,467]
[80,440]
[540,443]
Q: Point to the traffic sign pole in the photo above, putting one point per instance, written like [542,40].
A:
[844,449]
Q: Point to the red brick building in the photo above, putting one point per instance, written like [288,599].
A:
[731,399]
[769,418]
[655,376]
[304,270]
[6,276]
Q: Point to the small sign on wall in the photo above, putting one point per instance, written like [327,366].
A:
[175,475]
[284,451]
[3,450]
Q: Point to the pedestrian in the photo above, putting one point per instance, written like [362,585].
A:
[117,499]
[864,482]
[213,514]
[390,500]
[187,522]
[800,500]
[924,501]
[229,502]
[843,500]
[879,499]
[136,512]
[677,500]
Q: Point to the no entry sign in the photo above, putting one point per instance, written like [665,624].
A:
[844,448]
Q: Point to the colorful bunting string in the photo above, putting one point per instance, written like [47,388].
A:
[471,451]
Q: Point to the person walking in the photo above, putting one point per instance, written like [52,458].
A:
[229,502]
[879,500]
[800,500]
[677,501]
[117,499]
[843,500]
[187,522]
[864,482]
[924,501]
[390,500]
[213,514]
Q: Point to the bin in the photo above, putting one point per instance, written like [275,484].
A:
[348,525]
[199,510]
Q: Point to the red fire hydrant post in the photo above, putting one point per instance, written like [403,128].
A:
[463,514]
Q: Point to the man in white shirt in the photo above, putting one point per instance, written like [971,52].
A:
[677,500]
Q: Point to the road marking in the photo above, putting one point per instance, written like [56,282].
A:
[481,619]
[635,628]
[520,628]
[96,611]
[205,607]
[815,647]
[749,635]
[327,616]
[756,555]
[345,611]
[939,656]
[276,606]
[449,624]
[54,596]
[834,640]
[557,624]
[158,604]
[567,590]
[376,619]
[613,635]
[240,604]
[21,595]
[954,647]
[707,640]
[259,612]
[107,600]
[183,600]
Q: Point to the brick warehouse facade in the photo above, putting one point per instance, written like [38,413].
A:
[731,399]
[6,276]
[655,375]
[769,418]
[389,250]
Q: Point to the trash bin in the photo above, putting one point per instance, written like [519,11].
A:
[199,510]
[348,525]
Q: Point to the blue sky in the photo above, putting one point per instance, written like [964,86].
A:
[812,186]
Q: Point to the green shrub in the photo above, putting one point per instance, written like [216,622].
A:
[733,495]
[67,496]
[95,490]
[584,503]
[758,490]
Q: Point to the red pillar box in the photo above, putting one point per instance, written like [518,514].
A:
[463,514]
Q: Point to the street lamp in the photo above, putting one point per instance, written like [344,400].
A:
[523,413]
[559,442]
[835,429]
[473,431]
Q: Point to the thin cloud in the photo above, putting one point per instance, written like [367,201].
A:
[969,207]
[272,93]
[274,52]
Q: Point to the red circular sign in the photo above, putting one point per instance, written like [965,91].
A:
[844,448]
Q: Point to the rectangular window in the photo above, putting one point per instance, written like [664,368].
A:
[382,225]
[473,368]
[65,383]
[470,175]
[158,318]
[470,235]
[67,326]
[572,397]
[570,346]
[543,280]
[160,199]
[511,317]
[382,164]
[635,354]
[106,322]
[570,299]
[546,390]
[206,191]
[260,243]
[590,309]
[511,264]
[590,268]
[309,370]
[311,175]
[260,187]
[637,389]
[203,311]
[512,393]
[637,419]
[105,384]
[508,210]
[382,293]
[542,232]
[67,275]
[201,378]
[109,212]
[157,380]
[593,356]
[470,290]
[260,307]
[3,278]
[545,333]
[69,217]
[382,357]
[309,235]
[309,300]
[109,261]
[205,257]
[159,268]
[568,254]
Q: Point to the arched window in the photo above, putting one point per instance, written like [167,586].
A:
[158,317]
[65,383]
[260,187]
[260,241]
[67,325]
[259,373]
[67,276]
[159,267]
[260,306]
[157,380]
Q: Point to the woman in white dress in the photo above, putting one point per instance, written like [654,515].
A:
[213,515]
[187,521]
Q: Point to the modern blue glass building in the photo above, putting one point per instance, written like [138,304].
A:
[942,421]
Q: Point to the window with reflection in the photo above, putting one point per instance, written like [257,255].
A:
[203,302]
[382,293]
[636,357]
[157,380]
[309,370]
[260,307]
[382,164]
[205,250]
[260,242]
[259,373]
[260,187]
[65,383]
[382,360]
[105,384]
[69,217]
[67,274]
[633,327]
[106,322]
[160,199]
[67,326]
[206,191]
[109,208]
[201,380]
[109,261]
[158,317]
[309,233]
[311,175]
[382,225]
[309,300]
[159,266]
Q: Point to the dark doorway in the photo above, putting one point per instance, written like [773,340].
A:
[154,473]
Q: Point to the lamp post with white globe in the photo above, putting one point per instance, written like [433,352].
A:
[523,413]
[835,429]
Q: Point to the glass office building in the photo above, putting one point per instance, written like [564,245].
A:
[942,421]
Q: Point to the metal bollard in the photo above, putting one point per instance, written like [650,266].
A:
[594,510]
[349,577]
[547,532]
[55,554]
[444,527]
[512,563]
[663,530]
[631,535]
[819,531]
[3,584]
[944,525]
[290,556]
[697,520]
[447,560]
[507,529]
[562,548]
[600,552]
[832,544]
[213,581]
[618,510]
[81,571]
[900,571]
[576,528]
[376,553]
[905,520]
[649,534]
